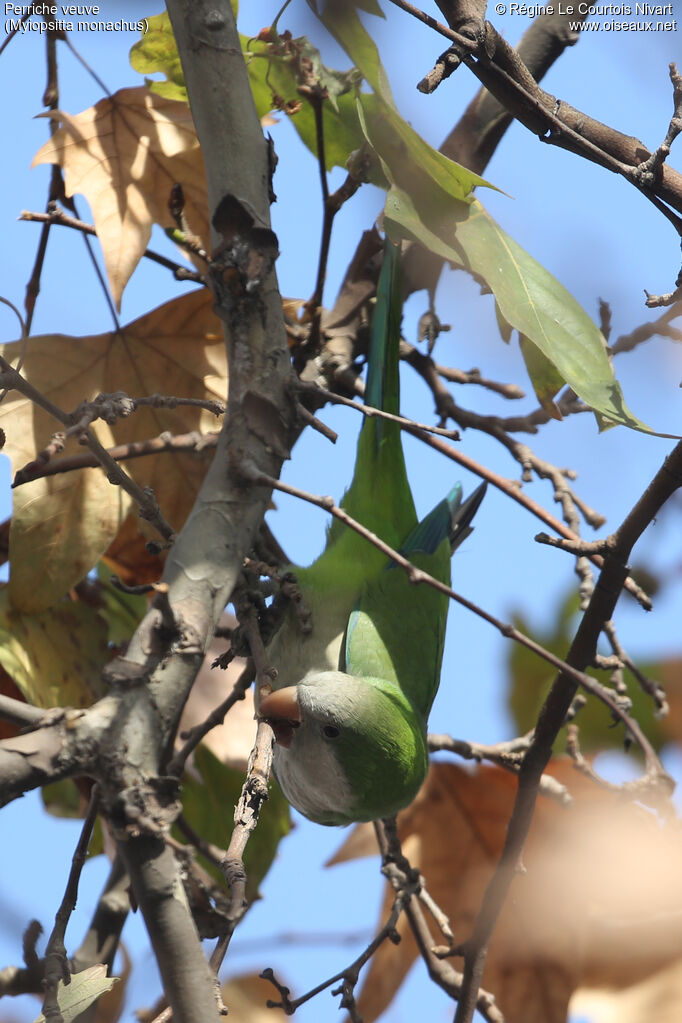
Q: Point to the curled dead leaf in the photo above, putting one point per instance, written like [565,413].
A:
[600,901]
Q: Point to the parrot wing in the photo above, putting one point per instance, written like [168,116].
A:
[397,630]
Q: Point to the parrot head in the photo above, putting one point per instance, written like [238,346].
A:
[348,748]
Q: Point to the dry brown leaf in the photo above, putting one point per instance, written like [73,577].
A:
[659,999]
[601,902]
[8,688]
[671,680]
[124,155]
[59,530]
[128,557]
[246,996]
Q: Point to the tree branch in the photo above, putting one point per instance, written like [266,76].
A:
[552,716]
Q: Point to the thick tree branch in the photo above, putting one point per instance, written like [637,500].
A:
[125,738]
[499,68]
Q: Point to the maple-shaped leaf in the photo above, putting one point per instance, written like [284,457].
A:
[600,901]
[62,524]
[124,155]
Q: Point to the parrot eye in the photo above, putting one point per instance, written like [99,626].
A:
[330,732]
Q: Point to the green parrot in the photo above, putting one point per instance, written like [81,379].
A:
[352,697]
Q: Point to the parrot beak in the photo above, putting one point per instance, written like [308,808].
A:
[282,711]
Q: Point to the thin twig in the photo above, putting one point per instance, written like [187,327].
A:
[19,713]
[512,490]
[531,106]
[332,205]
[145,499]
[371,412]
[348,976]
[401,875]
[195,735]
[473,376]
[58,216]
[24,336]
[193,442]
[56,963]
[508,755]
[254,791]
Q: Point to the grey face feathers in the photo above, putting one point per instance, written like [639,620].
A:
[347,748]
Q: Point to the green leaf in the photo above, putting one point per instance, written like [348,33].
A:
[412,163]
[528,296]
[272,75]
[529,680]
[208,806]
[276,69]
[341,20]
[506,330]
[63,799]
[84,989]
[54,657]
[156,51]
[545,378]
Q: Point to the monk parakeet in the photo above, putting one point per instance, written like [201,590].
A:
[352,697]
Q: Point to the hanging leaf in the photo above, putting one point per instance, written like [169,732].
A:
[528,296]
[566,922]
[63,524]
[124,155]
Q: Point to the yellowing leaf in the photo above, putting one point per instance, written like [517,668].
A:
[124,155]
[55,658]
[589,910]
[157,51]
[175,350]
[59,528]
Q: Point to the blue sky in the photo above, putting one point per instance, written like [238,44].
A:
[592,230]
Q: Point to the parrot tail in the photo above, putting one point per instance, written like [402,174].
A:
[462,516]
[450,518]
[383,378]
